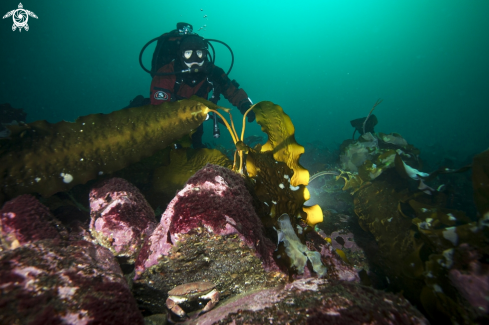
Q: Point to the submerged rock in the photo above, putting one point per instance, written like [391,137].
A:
[314,301]
[121,218]
[24,220]
[209,232]
[470,276]
[48,282]
[47,279]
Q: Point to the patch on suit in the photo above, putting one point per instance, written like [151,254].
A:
[161,95]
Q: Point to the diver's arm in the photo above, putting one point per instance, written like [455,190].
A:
[162,87]
[231,91]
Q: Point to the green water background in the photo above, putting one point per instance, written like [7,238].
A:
[324,62]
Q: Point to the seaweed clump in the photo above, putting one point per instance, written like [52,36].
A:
[433,254]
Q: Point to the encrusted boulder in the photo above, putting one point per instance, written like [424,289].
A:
[338,268]
[314,301]
[209,232]
[53,282]
[121,218]
[24,220]
[470,276]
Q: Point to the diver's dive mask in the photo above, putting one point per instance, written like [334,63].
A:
[194,51]
[193,57]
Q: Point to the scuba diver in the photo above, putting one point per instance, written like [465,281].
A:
[182,67]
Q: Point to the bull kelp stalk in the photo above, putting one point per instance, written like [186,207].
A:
[244,122]
[47,158]
[370,113]
[231,130]
[325,172]
[234,135]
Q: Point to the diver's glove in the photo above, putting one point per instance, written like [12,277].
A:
[251,116]
[244,107]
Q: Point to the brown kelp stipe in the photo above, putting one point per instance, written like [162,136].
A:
[376,103]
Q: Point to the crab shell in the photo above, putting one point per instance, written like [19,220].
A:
[191,291]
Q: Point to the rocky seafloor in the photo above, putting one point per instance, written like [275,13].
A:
[118,267]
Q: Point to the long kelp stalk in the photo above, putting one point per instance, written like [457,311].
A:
[370,113]
[47,158]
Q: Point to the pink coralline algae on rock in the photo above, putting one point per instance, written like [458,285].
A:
[472,281]
[24,220]
[53,282]
[216,199]
[47,279]
[209,232]
[341,241]
[121,218]
[337,268]
[314,301]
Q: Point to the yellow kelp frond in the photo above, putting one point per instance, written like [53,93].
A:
[46,158]
[273,186]
[281,141]
[314,214]
[307,194]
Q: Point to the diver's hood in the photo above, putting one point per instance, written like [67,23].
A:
[193,52]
